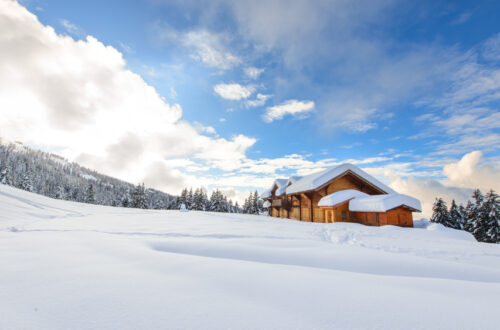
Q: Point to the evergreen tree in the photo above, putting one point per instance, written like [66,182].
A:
[158,205]
[60,192]
[182,198]
[5,176]
[139,198]
[455,217]
[492,217]
[246,206]
[204,201]
[469,216]
[189,199]
[125,201]
[478,222]
[89,194]
[27,181]
[440,212]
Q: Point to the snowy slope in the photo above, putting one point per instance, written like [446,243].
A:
[66,265]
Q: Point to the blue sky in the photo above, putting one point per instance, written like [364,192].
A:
[407,90]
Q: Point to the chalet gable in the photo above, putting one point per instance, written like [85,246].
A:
[319,180]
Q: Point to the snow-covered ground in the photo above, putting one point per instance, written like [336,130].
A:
[66,265]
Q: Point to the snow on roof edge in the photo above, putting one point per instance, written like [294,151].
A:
[383,203]
[340,197]
[316,180]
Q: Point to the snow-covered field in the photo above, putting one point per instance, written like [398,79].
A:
[66,265]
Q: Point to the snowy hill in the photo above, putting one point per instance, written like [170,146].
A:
[70,265]
[51,175]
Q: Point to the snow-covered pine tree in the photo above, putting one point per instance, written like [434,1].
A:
[5,176]
[89,194]
[189,199]
[27,181]
[197,200]
[204,200]
[462,211]
[440,212]
[237,207]
[478,222]
[245,206]
[182,198]
[491,207]
[60,192]
[255,203]
[158,205]
[139,198]
[125,200]
[455,217]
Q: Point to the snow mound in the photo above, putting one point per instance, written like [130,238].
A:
[67,265]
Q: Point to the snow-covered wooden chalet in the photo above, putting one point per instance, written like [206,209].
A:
[342,193]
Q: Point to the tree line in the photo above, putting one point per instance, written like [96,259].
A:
[481,217]
[53,176]
[198,200]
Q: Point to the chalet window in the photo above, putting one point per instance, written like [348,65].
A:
[344,215]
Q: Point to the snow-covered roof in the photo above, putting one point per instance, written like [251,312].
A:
[281,184]
[383,203]
[316,180]
[266,193]
[340,197]
[266,204]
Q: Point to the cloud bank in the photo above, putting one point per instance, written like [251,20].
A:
[78,98]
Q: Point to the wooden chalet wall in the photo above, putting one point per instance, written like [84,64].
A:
[398,217]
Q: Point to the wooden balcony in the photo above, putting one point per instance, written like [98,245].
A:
[276,203]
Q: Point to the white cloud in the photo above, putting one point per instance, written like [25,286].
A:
[491,48]
[233,92]
[72,28]
[253,72]
[78,97]
[260,100]
[291,107]
[461,177]
[126,48]
[173,93]
[468,172]
[462,18]
[205,46]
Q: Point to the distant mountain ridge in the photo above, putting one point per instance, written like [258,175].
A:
[53,176]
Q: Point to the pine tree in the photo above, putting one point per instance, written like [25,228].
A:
[125,200]
[89,194]
[158,205]
[27,181]
[182,198]
[5,176]
[139,198]
[245,206]
[60,192]
[478,222]
[440,212]
[204,201]
[492,217]
[455,217]
[189,199]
